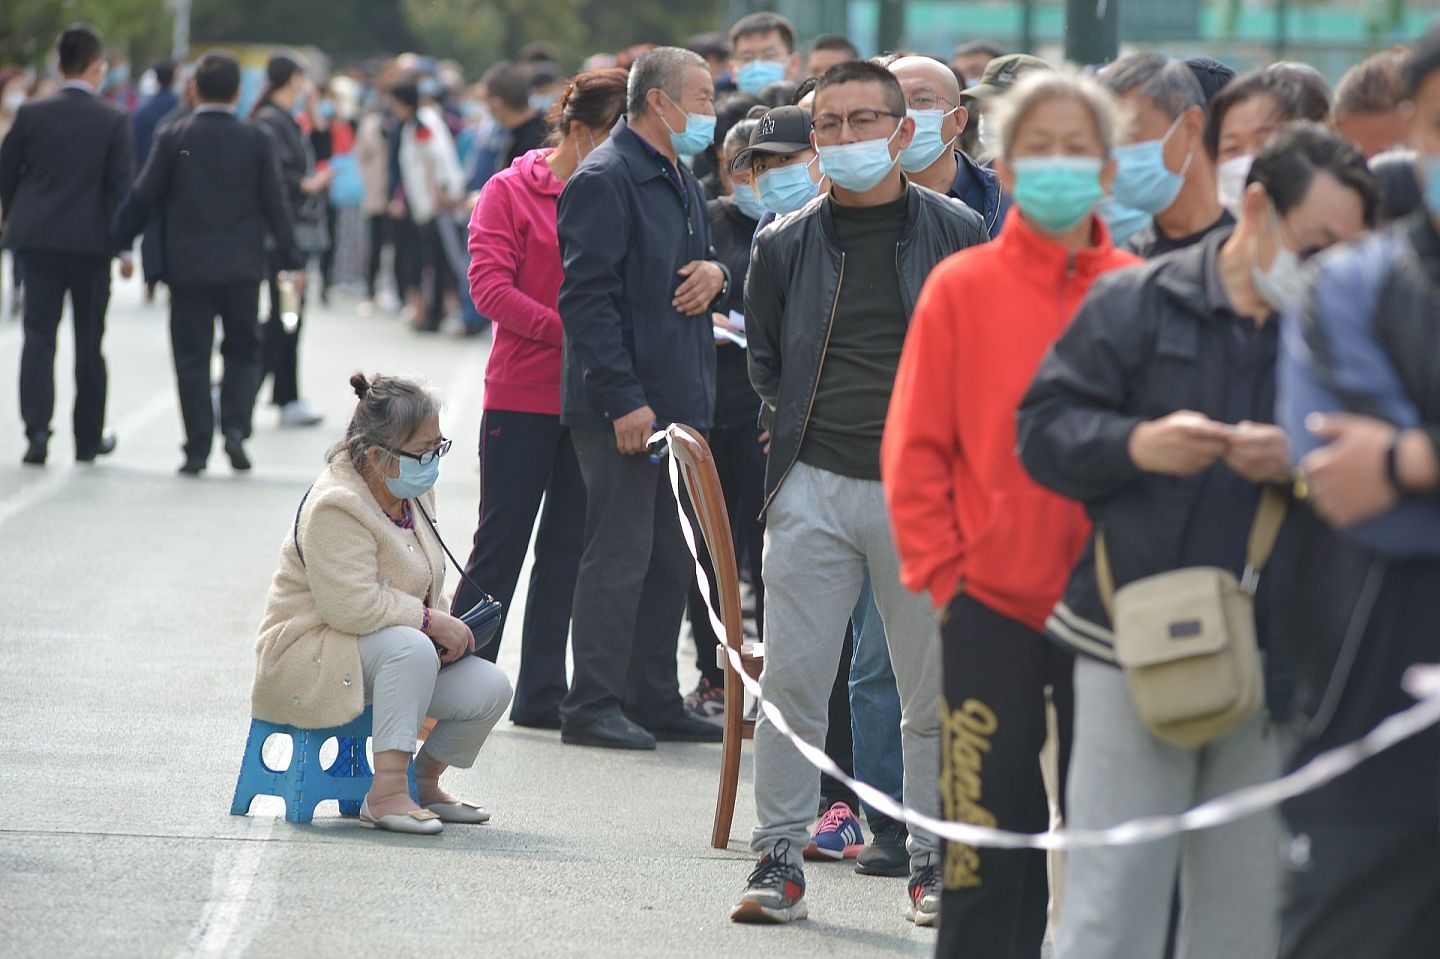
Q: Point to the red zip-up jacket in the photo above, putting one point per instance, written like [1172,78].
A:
[965,512]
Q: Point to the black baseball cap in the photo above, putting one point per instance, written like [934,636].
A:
[780,131]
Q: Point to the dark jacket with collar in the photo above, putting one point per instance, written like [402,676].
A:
[214,184]
[296,158]
[625,231]
[796,273]
[64,168]
[979,188]
[1133,353]
[147,120]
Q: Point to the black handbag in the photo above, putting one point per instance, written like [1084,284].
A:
[483,618]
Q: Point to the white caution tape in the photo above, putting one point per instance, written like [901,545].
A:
[1422,681]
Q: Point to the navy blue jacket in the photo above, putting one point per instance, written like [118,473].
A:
[979,188]
[146,120]
[625,231]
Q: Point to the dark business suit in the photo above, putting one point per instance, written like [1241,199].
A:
[64,168]
[143,124]
[213,184]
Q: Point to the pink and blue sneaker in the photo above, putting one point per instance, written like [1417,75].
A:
[837,836]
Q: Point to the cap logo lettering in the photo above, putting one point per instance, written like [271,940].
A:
[767,126]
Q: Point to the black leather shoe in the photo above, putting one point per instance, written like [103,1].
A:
[238,460]
[106,447]
[687,729]
[885,855]
[607,732]
[192,466]
[35,453]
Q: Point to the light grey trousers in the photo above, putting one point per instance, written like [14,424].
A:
[822,531]
[405,682]
[1118,898]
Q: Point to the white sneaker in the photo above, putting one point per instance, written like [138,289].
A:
[299,413]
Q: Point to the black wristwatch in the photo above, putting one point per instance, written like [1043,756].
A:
[1392,466]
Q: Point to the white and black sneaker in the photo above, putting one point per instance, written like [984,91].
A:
[775,892]
[707,702]
[924,889]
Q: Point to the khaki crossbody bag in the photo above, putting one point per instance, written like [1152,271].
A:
[1186,639]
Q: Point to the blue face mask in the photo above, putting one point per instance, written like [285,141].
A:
[1122,221]
[927,146]
[1142,180]
[414,479]
[542,102]
[858,166]
[786,189]
[756,75]
[747,202]
[327,110]
[698,134]
[1057,192]
[1430,168]
[300,102]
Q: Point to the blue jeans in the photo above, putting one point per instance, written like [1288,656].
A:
[874,704]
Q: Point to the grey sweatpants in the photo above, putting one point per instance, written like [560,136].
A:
[1117,899]
[405,682]
[822,531]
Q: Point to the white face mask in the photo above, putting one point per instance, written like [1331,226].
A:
[1283,284]
[1230,182]
[13,101]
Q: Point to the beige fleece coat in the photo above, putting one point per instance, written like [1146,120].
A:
[361,573]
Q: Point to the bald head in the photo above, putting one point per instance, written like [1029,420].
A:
[918,75]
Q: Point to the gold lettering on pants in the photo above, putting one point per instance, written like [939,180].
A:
[965,741]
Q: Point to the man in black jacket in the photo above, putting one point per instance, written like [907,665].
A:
[64,168]
[640,280]
[215,183]
[827,304]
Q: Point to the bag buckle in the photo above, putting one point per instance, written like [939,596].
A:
[1250,580]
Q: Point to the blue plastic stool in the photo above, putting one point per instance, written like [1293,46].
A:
[304,784]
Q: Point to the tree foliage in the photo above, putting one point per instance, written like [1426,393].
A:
[475,32]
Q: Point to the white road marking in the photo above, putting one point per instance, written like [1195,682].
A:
[230,918]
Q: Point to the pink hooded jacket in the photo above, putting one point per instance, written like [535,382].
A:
[515,276]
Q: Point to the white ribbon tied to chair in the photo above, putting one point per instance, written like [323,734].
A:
[1421,681]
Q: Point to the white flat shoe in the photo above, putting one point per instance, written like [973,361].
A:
[416,822]
[460,812]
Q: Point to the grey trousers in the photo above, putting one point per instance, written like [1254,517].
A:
[1117,899]
[822,531]
[405,682]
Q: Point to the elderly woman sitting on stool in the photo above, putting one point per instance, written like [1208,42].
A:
[356,615]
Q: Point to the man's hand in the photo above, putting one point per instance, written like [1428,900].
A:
[1181,444]
[127,266]
[396,209]
[1346,478]
[452,635]
[633,430]
[703,282]
[765,442]
[1260,452]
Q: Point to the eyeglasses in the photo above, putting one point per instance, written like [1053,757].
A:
[865,123]
[929,101]
[429,456]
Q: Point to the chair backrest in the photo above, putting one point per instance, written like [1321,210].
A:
[697,469]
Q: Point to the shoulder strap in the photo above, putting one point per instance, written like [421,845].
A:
[1264,530]
[459,567]
[295,532]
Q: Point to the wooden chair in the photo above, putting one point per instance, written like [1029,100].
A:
[697,469]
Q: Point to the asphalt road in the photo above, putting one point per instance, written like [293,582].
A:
[130,601]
